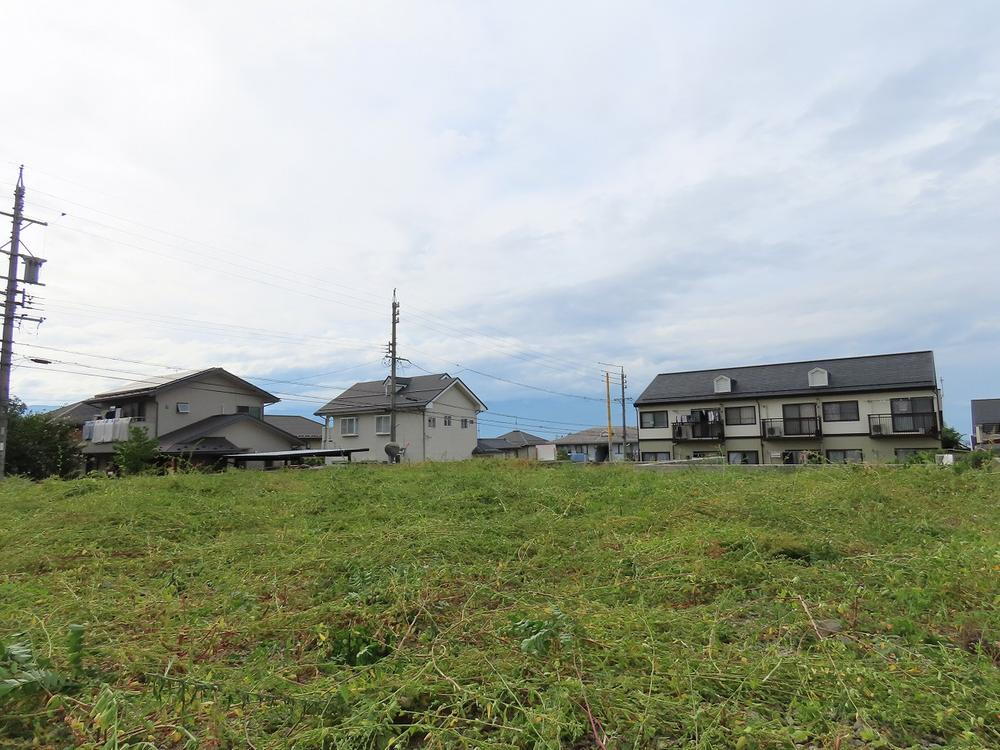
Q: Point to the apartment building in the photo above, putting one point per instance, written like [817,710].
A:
[436,418]
[876,408]
[986,424]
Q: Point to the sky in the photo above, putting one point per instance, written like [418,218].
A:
[548,186]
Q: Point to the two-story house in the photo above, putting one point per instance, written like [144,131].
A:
[436,418]
[986,424]
[200,415]
[875,408]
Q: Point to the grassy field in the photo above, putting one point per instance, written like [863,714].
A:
[497,604]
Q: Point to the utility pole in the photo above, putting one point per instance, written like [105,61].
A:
[607,387]
[392,370]
[10,306]
[625,454]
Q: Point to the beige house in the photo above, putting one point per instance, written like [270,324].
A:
[986,424]
[308,431]
[200,415]
[436,418]
[592,443]
[875,408]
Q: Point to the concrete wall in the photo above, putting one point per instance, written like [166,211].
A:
[848,435]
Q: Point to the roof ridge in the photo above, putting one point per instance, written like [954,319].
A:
[796,362]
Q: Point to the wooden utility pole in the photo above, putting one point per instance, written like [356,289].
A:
[611,435]
[10,308]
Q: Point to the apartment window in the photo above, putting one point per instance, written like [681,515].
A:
[655,456]
[849,456]
[840,411]
[743,457]
[741,415]
[432,422]
[349,426]
[653,419]
[383,424]
[183,407]
[800,419]
[464,423]
[913,414]
[447,421]
[253,411]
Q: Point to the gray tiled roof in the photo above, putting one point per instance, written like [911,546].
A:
[77,413]
[871,373]
[519,439]
[301,427]
[155,383]
[597,436]
[985,411]
[371,396]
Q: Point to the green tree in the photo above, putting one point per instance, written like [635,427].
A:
[138,453]
[952,438]
[39,447]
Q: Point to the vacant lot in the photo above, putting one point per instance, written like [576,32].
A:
[498,604]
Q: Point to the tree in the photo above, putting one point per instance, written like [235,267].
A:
[952,438]
[138,453]
[39,447]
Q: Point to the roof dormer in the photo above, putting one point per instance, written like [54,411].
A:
[818,378]
[723,384]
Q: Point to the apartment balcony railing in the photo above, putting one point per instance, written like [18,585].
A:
[890,425]
[791,427]
[990,430]
[698,431]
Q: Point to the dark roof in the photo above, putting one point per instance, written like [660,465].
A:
[597,436]
[491,447]
[872,373]
[192,437]
[520,439]
[301,427]
[412,393]
[985,411]
[156,383]
[77,413]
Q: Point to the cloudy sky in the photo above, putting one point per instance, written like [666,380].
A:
[548,185]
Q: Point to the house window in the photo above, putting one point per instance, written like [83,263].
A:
[349,426]
[183,407]
[447,421]
[655,456]
[133,409]
[849,456]
[464,423]
[913,414]
[383,424]
[741,415]
[432,422]
[840,411]
[253,411]
[742,457]
[650,419]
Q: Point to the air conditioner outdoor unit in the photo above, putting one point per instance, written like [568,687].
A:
[876,429]
[772,431]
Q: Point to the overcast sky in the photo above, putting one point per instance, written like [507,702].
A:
[549,185]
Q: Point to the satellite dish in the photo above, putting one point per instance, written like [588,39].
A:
[393,451]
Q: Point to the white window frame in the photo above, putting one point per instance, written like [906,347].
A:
[447,421]
[386,420]
[432,422]
[344,421]
[464,423]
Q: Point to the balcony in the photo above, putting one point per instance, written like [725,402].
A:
[988,433]
[99,431]
[912,425]
[684,431]
[791,427]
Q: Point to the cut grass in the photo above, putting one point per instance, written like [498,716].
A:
[500,604]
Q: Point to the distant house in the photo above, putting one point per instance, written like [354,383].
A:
[75,414]
[200,415]
[846,410]
[308,431]
[986,424]
[593,443]
[513,444]
[436,418]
